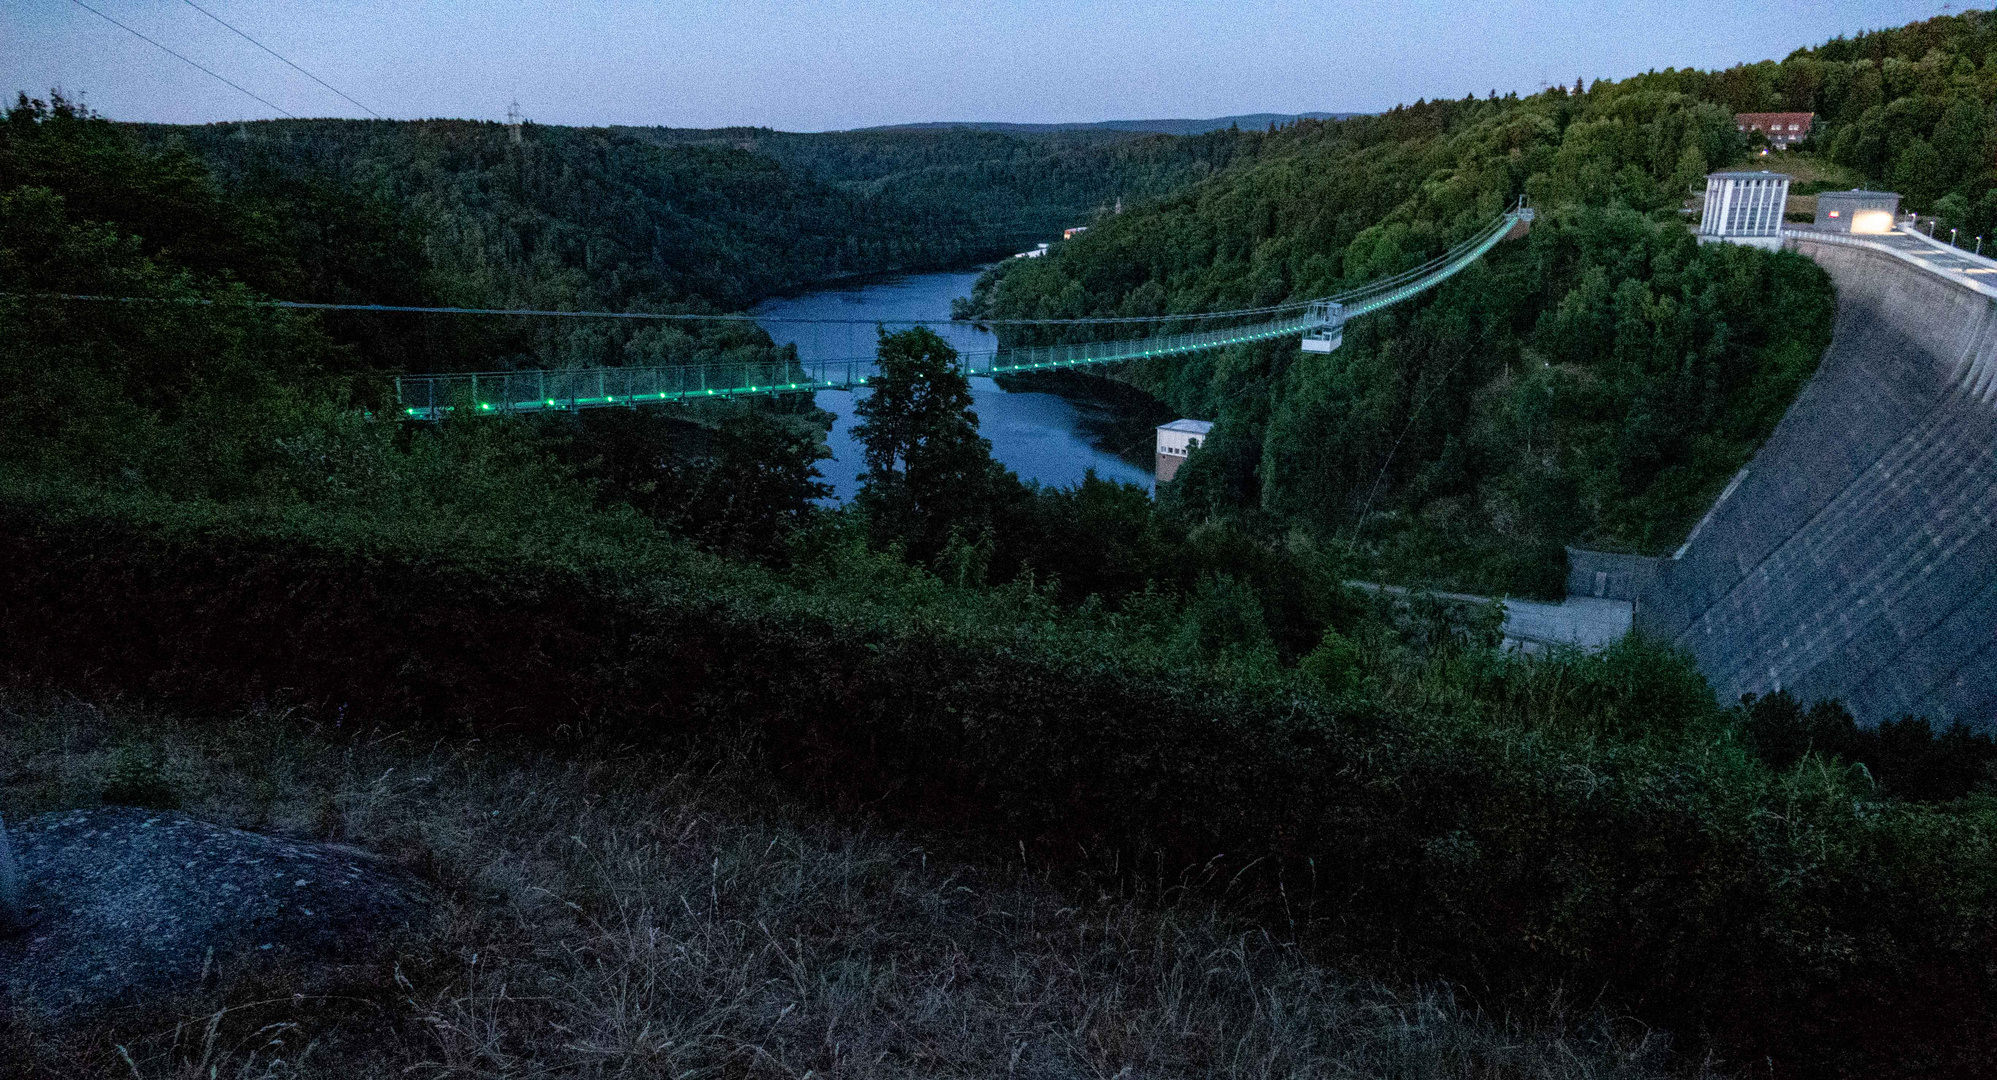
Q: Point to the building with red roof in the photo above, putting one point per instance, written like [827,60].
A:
[1781,128]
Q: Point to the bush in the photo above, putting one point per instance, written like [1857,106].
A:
[1538,847]
[1906,758]
[137,778]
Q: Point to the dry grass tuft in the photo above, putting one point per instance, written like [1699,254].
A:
[637,914]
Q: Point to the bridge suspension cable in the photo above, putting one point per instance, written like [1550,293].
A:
[1320,322]
[1346,297]
[641,316]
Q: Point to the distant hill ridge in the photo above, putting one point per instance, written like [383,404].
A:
[1160,127]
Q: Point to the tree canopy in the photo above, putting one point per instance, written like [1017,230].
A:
[1595,383]
[929,473]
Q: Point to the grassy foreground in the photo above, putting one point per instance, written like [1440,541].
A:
[1586,825]
[624,913]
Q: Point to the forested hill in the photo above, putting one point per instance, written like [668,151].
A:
[1012,186]
[648,216]
[1596,384]
[1158,127]
[661,216]
[457,212]
[568,217]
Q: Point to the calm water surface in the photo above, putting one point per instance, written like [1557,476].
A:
[1039,436]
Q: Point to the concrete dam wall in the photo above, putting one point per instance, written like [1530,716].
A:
[1856,555]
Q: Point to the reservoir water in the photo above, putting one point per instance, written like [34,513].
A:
[1040,436]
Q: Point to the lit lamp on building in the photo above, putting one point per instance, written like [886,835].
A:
[1744,208]
[1855,211]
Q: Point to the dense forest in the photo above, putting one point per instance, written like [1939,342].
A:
[1595,384]
[577,216]
[1012,188]
[457,213]
[1463,439]
[642,219]
[617,216]
[1146,700]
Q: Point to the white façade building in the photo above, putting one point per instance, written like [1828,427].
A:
[1744,208]
[1176,441]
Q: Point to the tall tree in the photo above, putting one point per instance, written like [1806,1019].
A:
[929,472]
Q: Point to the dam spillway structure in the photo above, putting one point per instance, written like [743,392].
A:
[1855,557]
[1744,208]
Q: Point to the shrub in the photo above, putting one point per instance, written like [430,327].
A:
[136,777]
[1906,758]
[1521,849]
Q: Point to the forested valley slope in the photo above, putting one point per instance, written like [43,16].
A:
[462,213]
[1595,385]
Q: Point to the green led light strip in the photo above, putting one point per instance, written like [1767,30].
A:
[1386,293]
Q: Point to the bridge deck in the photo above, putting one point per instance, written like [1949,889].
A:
[432,397]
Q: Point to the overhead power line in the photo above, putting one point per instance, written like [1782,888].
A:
[1362,294]
[170,52]
[273,52]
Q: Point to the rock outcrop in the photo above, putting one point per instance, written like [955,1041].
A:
[140,903]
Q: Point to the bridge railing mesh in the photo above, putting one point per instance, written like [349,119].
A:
[433,397]
[1302,317]
[1100,352]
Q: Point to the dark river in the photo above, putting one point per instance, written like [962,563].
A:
[1040,436]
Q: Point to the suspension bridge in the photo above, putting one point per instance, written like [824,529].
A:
[1319,324]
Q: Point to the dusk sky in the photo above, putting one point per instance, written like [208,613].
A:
[857,63]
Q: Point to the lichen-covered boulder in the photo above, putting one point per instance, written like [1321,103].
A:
[139,903]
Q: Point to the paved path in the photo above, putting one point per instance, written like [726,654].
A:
[1531,625]
[1979,272]
[1588,621]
